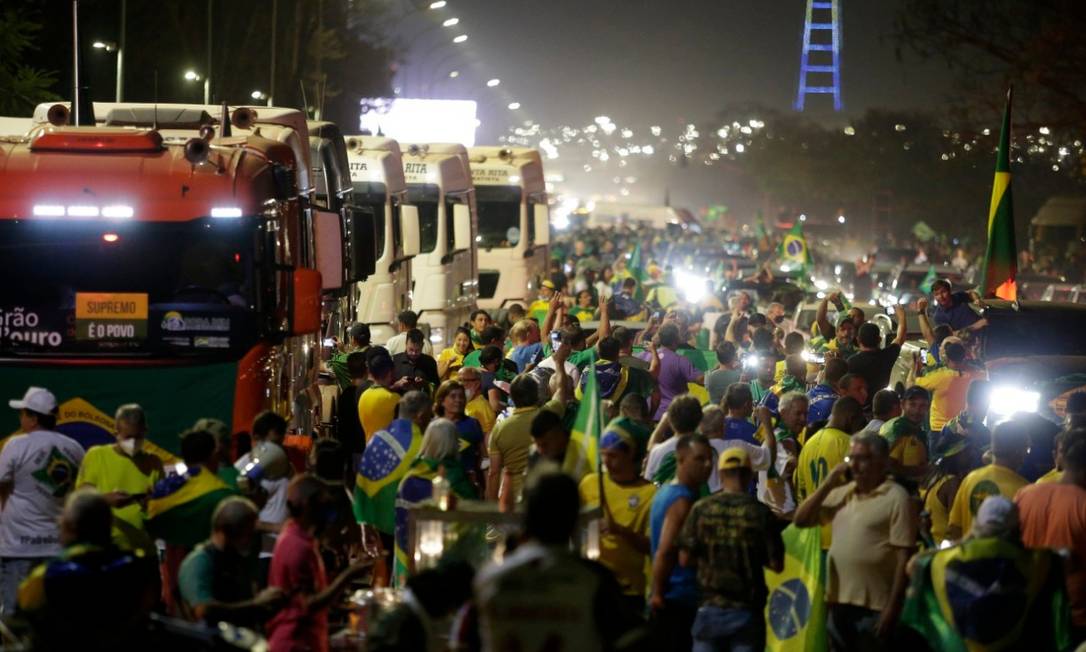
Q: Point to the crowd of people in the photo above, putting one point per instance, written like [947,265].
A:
[715,441]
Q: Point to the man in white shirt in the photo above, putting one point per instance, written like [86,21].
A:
[405,321]
[271,428]
[37,470]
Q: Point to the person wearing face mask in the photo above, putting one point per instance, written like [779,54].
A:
[216,579]
[297,569]
[125,476]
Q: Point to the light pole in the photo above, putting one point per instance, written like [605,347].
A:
[207,76]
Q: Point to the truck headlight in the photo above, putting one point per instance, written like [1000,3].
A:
[1007,400]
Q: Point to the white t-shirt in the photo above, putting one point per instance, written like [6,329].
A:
[42,467]
[759,457]
[275,510]
[780,498]
[571,370]
[398,344]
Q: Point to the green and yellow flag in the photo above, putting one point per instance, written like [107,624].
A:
[988,594]
[583,451]
[180,506]
[1001,255]
[795,611]
[794,249]
[929,280]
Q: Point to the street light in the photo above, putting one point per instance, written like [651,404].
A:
[192,75]
[113,48]
[513,106]
[493,82]
[108,46]
[258,95]
[840,219]
[453,74]
[461,38]
[440,4]
[450,22]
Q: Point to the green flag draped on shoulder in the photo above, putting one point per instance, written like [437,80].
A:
[1001,254]
[583,451]
[795,611]
[180,506]
[988,594]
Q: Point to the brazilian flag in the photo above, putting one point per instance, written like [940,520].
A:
[988,594]
[795,611]
[794,250]
[180,507]
[1001,254]
[583,451]
[929,280]
[387,458]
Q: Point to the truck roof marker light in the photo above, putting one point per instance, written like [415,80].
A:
[226,211]
[83,211]
[117,211]
[48,210]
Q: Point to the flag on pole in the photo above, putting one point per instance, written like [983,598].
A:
[1001,254]
[795,611]
[929,280]
[794,250]
[583,451]
[762,233]
[636,268]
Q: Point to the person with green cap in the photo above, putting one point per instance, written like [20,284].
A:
[626,503]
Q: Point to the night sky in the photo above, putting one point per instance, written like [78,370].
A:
[653,61]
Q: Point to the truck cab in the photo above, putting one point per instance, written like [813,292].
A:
[514,224]
[377,178]
[444,274]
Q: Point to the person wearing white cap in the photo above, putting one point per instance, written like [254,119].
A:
[37,470]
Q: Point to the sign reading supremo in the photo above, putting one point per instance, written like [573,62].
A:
[110,315]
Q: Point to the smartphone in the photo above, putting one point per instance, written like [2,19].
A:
[924,356]
[329,342]
[556,340]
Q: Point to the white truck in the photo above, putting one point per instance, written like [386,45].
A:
[377,175]
[514,224]
[444,275]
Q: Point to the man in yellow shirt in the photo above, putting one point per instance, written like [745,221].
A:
[825,450]
[1010,443]
[377,405]
[627,503]
[948,386]
[907,438]
[124,475]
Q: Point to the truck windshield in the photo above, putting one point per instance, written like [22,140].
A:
[499,216]
[373,195]
[140,288]
[426,197]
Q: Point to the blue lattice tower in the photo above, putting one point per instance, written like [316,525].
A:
[820,62]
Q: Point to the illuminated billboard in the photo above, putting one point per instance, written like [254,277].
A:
[420,121]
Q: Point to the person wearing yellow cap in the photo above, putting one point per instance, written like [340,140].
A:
[538,309]
[627,502]
[729,537]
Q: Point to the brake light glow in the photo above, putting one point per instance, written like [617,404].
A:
[226,211]
[117,211]
[48,210]
[83,211]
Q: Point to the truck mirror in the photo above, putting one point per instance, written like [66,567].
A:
[409,229]
[329,240]
[305,312]
[363,244]
[461,227]
[542,216]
